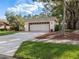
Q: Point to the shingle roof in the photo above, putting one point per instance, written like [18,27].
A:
[4,22]
[41,19]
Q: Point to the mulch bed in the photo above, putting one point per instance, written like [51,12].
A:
[59,36]
[44,36]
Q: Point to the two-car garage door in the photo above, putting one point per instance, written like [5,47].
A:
[39,26]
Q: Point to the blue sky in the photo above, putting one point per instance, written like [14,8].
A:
[20,6]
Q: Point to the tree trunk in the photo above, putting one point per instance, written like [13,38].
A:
[72,13]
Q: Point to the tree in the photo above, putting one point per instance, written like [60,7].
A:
[54,8]
[16,21]
[72,14]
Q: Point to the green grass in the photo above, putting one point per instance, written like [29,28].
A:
[6,32]
[41,50]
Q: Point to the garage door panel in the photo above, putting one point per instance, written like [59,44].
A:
[39,27]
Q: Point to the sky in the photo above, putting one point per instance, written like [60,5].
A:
[23,7]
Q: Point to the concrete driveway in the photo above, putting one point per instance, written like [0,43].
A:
[10,43]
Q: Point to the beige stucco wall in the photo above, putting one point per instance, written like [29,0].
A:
[2,27]
[8,27]
[52,25]
[26,26]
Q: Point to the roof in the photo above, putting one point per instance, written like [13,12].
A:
[4,22]
[42,19]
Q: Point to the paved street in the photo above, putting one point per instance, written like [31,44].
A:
[10,43]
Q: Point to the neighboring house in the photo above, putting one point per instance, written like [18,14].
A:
[41,24]
[4,25]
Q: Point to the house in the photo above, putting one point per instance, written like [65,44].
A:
[41,24]
[4,25]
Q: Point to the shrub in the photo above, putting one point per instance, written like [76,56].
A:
[2,29]
[58,27]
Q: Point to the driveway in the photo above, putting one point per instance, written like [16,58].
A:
[10,43]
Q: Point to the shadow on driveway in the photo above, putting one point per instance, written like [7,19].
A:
[6,57]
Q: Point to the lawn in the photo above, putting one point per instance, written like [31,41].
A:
[41,50]
[6,32]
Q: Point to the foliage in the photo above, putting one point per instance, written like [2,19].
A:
[58,27]
[16,21]
[28,16]
[2,29]
[41,50]
[72,12]
[54,8]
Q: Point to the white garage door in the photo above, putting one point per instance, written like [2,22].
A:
[39,27]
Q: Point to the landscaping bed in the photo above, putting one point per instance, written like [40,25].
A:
[69,36]
[44,36]
[42,50]
[6,32]
[59,36]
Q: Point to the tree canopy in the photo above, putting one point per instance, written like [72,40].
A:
[16,21]
[71,12]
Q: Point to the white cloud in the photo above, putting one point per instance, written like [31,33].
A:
[39,4]
[24,7]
